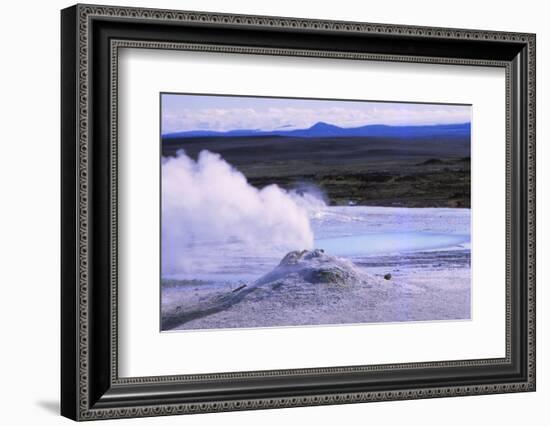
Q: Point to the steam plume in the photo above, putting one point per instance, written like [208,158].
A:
[208,206]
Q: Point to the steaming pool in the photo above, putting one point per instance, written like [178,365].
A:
[390,242]
[425,252]
[372,237]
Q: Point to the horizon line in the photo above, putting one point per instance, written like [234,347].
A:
[285,129]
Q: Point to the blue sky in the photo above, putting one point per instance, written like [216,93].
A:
[223,113]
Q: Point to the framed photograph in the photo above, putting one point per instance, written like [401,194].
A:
[263,212]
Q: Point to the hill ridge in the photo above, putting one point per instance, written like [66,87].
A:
[323,130]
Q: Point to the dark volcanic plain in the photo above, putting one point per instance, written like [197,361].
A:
[370,171]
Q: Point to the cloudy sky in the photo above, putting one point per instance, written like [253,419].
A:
[223,113]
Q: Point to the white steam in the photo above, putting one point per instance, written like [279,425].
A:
[208,207]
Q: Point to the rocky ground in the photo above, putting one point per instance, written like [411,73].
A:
[363,171]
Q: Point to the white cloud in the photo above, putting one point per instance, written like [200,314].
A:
[348,115]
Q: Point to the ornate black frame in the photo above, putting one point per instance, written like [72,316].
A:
[91,37]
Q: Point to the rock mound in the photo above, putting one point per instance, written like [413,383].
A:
[307,277]
[315,267]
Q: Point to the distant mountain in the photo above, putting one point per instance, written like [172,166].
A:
[325,130]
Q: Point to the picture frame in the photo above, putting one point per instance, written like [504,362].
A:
[91,38]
